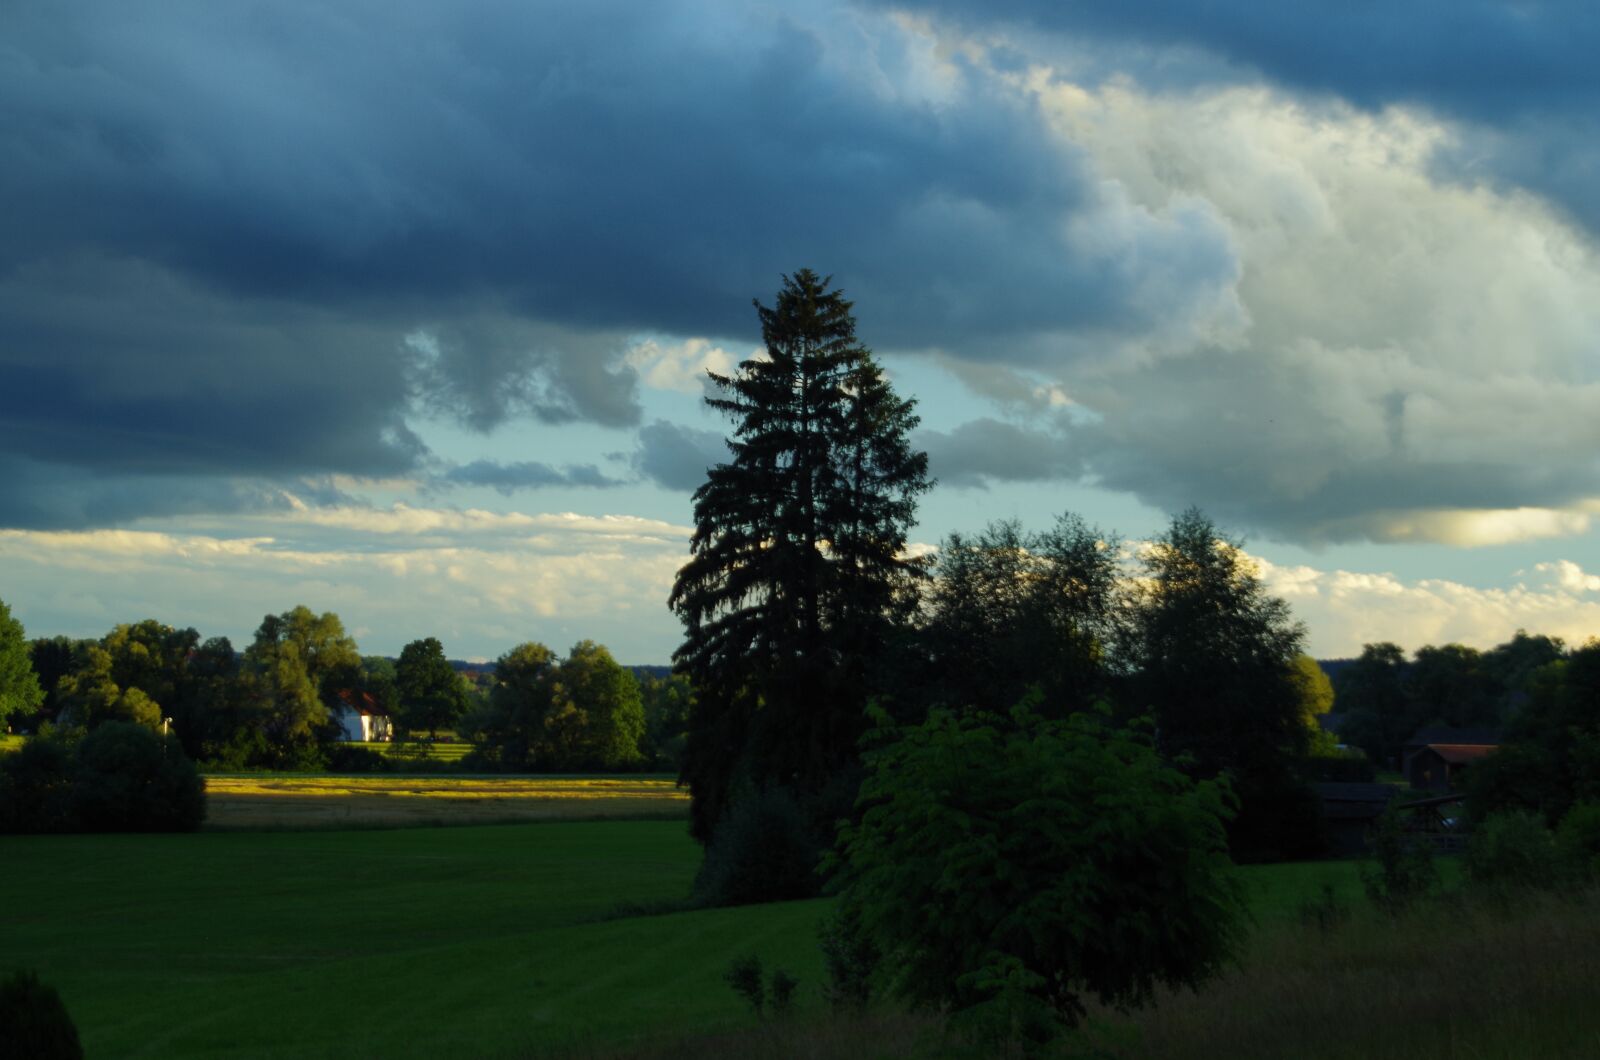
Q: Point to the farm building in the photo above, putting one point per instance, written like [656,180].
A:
[360,718]
[1348,813]
[1436,756]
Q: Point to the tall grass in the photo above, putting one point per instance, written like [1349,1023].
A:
[1455,979]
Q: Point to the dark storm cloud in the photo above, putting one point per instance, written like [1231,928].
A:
[598,165]
[1521,73]
[525,474]
[677,457]
[43,496]
[227,220]
[989,450]
[1481,58]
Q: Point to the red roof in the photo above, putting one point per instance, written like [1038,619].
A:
[1460,753]
[368,705]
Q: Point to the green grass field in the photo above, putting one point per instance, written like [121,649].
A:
[503,941]
[526,940]
[417,942]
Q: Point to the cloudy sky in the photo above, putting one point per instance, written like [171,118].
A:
[402,309]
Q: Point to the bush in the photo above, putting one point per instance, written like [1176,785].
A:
[849,957]
[1005,867]
[349,758]
[1578,842]
[130,779]
[1404,873]
[36,788]
[34,1024]
[1512,850]
[763,850]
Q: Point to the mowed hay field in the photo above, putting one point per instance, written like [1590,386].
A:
[305,802]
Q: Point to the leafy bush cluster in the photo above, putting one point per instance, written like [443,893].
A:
[122,777]
[763,850]
[1403,872]
[1513,851]
[34,1024]
[1007,867]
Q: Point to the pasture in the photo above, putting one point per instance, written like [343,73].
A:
[571,938]
[268,801]
[472,941]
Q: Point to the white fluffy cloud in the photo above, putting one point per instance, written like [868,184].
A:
[1346,609]
[480,581]
[1416,354]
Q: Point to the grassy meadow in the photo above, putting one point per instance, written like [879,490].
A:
[569,938]
[471,941]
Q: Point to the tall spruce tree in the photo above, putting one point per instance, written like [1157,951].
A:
[797,572]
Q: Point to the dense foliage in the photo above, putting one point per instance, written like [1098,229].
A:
[1215,661]
[1550,756]
[797,573]
[543,712]
[121,777]
[1007,867]
[34,1024]
[429,693]
[1008,611]
[1383,697]
[20,693]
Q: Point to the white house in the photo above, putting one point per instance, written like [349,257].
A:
[360,718]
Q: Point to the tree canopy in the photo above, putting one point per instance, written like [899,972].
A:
[430,694]
[1009,611]
[290,660]
[1006,867]
[797,568]
[19,687]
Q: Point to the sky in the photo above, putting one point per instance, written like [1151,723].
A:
[403,310]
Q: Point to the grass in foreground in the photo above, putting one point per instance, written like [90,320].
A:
[1462,979]
[288,801]
[420,942]
[522,941]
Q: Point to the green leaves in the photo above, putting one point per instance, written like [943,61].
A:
[1012,865]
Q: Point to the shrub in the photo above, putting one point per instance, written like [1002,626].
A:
[36,788]
[1512,850]
[1578,842]
[34,1024]
[130,779]
[349,758]
[763,850]
[744,976]
[1404,872]
[780,990]
[1005,867]
[849,957]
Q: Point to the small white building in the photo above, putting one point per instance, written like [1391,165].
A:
[361,719]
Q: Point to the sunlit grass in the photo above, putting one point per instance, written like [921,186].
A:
[297,801]
[10,743]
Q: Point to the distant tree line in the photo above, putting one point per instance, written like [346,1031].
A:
[275,705]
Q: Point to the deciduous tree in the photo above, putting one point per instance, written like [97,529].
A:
[431,694]
[20,693]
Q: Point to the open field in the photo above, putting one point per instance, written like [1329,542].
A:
[301,802]
[397,943]
[505,941]
[570,938]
